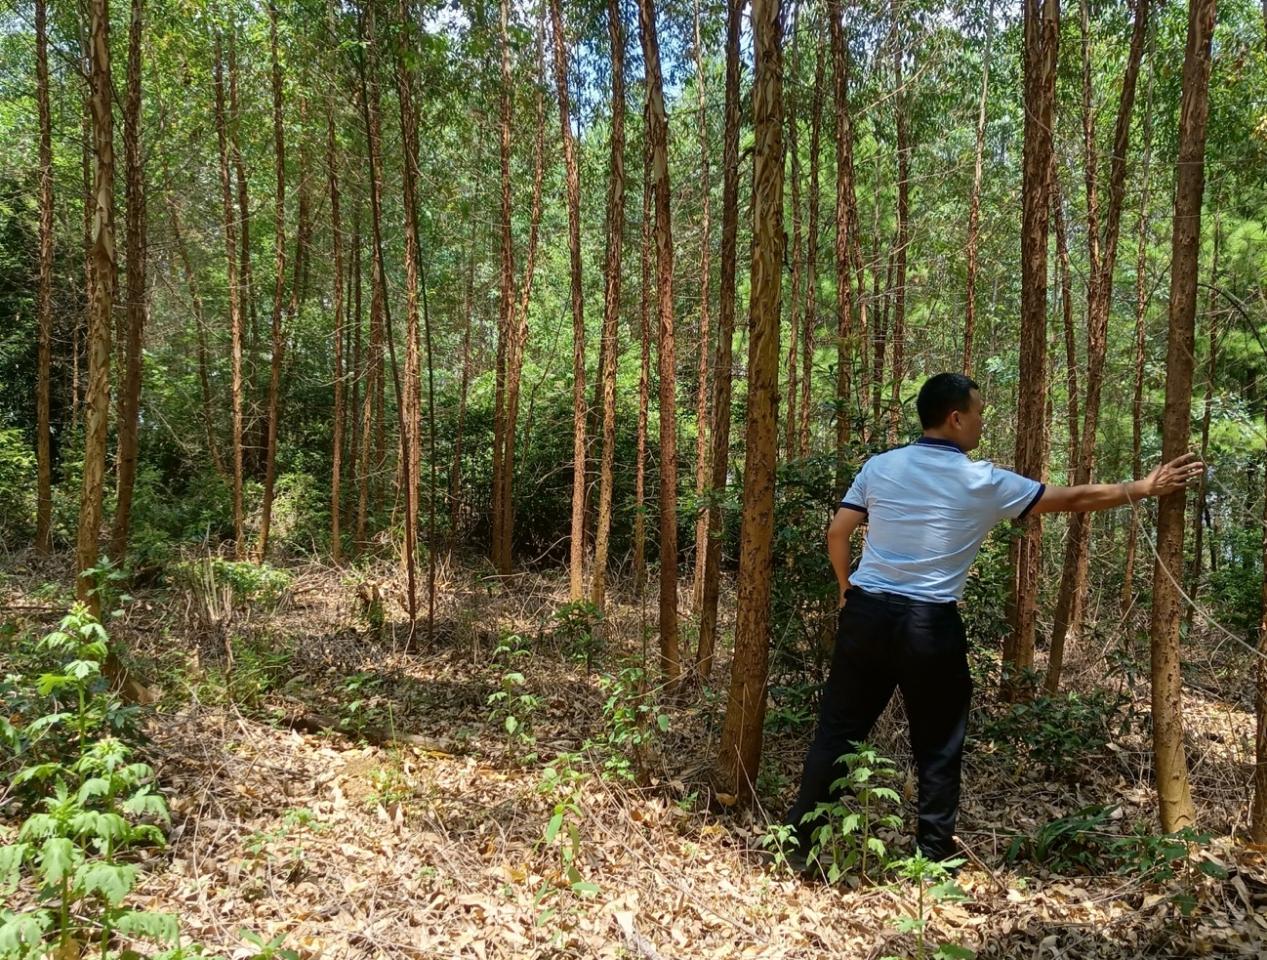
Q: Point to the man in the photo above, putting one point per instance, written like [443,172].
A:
[927,507]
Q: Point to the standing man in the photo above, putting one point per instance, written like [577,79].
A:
[927,507]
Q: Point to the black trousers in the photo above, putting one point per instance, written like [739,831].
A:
[885,641]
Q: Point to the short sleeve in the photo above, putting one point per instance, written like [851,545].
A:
[1014,495]
[856,496]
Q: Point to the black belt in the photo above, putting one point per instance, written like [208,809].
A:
[899,599]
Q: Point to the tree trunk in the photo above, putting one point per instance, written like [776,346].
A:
[611,301]
[974,205]
[254,426]
[576,560]
[130,394]
[811,256]
[235,308]
[644,378]
[43,451]
[844,188]
[1173,794]
[336,440]
[658,132]
[1199,519]
[740,751]
[903,227]
[1102,255]
[790,416]
[1066,309]
[506,310]
[722,368]
[1141,306]
[1042,33]
[702,413]
[279,287]
[97,399]
[455,471]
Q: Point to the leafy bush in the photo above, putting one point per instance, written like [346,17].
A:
[17,487]
[632,720]
[1059,732]
[246,583]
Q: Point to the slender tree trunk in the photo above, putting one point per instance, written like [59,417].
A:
[658,131]
[455,471]
[1141,308]
[791,417]
[506,313]
[1102,253]
[902,123]
[811,256]
[740,751]
[411,412]
[722,368]
[97,400]
[235,308]
[974,205]
[1066,307]
[1042,33]
[518,338]
[880,346]
[1170,763]
[44,308]
[844,188]
[279,287]
[576,563]
[81,324]
[611,301]
[254,426]
[336,440]
[644,377]
[130,394]
[703,385]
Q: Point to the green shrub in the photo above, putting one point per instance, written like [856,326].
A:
[247,584]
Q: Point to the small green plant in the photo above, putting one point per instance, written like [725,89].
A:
[511,707]
[933,885]
[270,949]
[844,836]
[578,627]
[562,782]
[632,721]
[93,807]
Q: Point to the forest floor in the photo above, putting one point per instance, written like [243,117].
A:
[359,800]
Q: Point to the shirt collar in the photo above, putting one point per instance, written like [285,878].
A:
[939,442]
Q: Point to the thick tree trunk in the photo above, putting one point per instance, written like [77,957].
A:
[130,394]
[1102,254]
[974,204]
[279,287]
[740,752]
[44,293]
[845,347]
[722,368]
[97,399]
[235,308]
[811,257]
[703,384]
[1170,763]
[336,440]
[611,302]
[576,555]
[1042,33]
[658,132]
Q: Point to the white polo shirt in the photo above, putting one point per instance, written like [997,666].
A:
[928,509]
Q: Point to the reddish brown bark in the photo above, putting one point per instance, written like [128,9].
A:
[790,417]
[44,293]
[611,301]
[703,384]
[811,256]
[740,751]
[1170,763]
[845,346]
[902,123]
[646,290]
[336,439]
[722,368]
[974,204]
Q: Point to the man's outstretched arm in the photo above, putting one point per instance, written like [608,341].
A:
[1165,479]
[843,524]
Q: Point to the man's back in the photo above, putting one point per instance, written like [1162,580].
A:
[928,509]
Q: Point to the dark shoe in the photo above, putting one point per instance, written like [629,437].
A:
[788,858]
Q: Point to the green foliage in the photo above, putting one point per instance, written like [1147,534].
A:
[90,808]
[1058,733]
[245,584]
[1234,591]
[632,721]
[933,885]
[562,782]
[844,838]
[17,487]
[578,627]
[512,705]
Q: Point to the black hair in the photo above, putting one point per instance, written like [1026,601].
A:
[942,393]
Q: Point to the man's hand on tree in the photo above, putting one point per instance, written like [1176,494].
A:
[1172,477]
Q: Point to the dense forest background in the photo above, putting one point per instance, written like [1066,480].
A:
[322,304]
